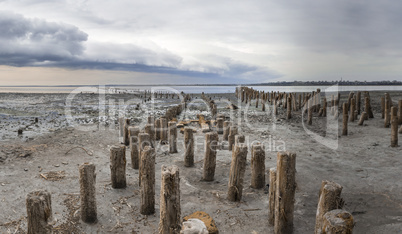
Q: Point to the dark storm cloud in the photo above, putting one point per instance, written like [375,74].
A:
[36,42]
[30,41]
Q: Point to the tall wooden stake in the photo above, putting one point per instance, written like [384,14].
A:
[345,119]
[271,196]
[172,137]
[39,210]
[285,192]
[147,174]
[211,145]
[394,127]
[257,167]
[237,169]
[170,211]
[88,193]
[189,147]
[118,166]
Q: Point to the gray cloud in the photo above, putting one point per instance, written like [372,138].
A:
[350,27]
[36,42]
[30,41]
[251,40]
[131,54]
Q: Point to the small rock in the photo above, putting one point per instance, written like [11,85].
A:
[64,163]
[204,217]
[193,226]
[57,165]
[25,169]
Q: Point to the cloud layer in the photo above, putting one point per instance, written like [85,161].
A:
[26,42]
[37,42]
[239,41]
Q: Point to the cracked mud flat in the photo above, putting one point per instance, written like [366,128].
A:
[48,153]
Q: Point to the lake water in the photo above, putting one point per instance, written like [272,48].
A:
[195,89]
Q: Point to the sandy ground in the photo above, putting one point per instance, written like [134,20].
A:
[363,163]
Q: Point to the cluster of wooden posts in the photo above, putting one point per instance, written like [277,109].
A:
[147,95]
[313,102]
[211,104]
[330,217]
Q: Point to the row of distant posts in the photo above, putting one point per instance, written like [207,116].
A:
[312,102]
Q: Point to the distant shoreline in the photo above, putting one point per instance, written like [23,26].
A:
[381,83]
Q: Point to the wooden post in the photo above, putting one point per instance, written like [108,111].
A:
[39,211]
[289,108]
[126,139]
[164,131]
[149,129]
[400,112]
[271,196]
[362,118]
[226,128]
[189,146]
[133,131]
[147,174]
[387,117]
[157,129]
[134,153]
[338,222]
[231,137]
[172,137]
[367,106]
[257,167]
[170,211]
[300,102]
[88,193]
[275,107]
[394,127]
[151,119]
[144,140]
[332,105]
[351,94]
[358,102]
[382,107]
[239,139]
[352,110]
[324,108]
[211,145]
[219,125]
[318,100]
[118,166]
[309,112]
[237,169]
[121,126]
[256,103]
[329,199]
[285,192]
[345,119]
[369,110]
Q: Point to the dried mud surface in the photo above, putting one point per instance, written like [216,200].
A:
[48,154]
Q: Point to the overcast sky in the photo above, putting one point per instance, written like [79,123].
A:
[187,41]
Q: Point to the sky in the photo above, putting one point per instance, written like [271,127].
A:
[65,42]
